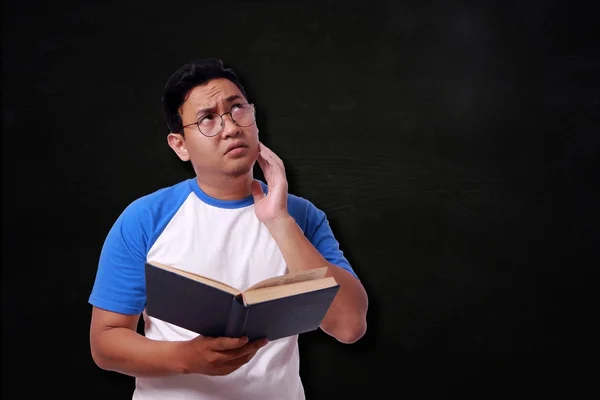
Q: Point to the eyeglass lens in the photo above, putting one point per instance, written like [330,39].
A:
[211,124]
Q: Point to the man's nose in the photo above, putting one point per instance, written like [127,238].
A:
[229,127]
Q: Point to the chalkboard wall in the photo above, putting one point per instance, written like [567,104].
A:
[453,145]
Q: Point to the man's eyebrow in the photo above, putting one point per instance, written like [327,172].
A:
[228,99]
[233,97]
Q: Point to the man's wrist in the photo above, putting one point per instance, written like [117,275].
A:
[281,225]
[180,357]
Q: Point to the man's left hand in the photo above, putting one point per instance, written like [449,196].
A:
[270,207]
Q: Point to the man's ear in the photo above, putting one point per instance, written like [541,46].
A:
[177,143]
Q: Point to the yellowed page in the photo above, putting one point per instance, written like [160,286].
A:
[277,292]
[199,278]
[292,277]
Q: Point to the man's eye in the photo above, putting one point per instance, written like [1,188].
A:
[207,119]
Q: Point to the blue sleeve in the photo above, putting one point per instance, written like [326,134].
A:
[120,280]
[318,231]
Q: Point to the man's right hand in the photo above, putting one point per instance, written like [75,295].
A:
[218,356]
[117,346]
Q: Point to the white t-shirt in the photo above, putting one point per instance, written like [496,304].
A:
[184,227]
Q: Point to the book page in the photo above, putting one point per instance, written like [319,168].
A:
[292,277]
[199,278]
[280,291]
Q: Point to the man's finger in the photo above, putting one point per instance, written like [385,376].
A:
[264,164]
[238,362]
[266,168]
[272,159]
[244,351]
[225,343]
[269,155]
[266,153]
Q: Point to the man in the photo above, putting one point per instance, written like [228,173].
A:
[225,225]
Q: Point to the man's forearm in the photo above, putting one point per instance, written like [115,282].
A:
[346,318]
[126,351]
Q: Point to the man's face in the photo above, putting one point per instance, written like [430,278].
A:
[213,155]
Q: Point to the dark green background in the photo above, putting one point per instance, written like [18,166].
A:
[453,145]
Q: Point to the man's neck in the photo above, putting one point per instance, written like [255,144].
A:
[227,188]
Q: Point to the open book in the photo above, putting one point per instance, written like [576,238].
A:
[274,308]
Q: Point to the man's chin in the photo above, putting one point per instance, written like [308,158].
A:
[239,170]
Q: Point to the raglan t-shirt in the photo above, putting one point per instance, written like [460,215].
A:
[182,226]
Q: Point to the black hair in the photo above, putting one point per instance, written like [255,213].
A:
[187,77]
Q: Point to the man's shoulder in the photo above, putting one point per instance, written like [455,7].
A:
[160,202]
[296,201]
[304,211]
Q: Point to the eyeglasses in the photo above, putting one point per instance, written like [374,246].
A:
[212,124]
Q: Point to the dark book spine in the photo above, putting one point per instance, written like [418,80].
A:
[237,318]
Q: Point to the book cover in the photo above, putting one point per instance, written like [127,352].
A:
[277,308]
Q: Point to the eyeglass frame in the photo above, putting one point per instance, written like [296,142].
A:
[197,123]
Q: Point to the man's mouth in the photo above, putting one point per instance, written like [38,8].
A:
[234,146]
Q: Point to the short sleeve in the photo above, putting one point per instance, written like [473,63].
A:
[120,279]
[318,231]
